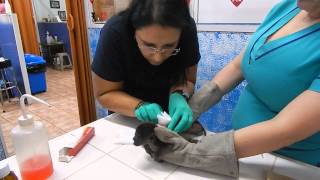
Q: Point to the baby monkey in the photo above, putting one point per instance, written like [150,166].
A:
[145,136]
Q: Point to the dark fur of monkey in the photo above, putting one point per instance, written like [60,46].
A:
[145,136]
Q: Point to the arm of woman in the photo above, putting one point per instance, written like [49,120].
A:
[230,76]
[297,121]
[211,92]
[110,95]
[191,74]
[179,109]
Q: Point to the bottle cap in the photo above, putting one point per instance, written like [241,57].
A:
[4,169]
[27,119]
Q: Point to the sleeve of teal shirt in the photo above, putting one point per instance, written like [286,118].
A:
[315,85]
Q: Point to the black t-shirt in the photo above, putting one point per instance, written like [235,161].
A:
[119,59]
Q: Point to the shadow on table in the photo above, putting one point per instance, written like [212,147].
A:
[123,120]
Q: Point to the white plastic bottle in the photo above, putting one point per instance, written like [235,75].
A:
[30,142]
[48,39]
[7,7]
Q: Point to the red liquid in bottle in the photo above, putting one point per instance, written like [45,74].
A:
[37,168]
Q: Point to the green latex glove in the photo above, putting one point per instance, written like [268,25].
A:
[148,112]
[180,112]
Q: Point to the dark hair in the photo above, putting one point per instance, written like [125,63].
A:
[173,13]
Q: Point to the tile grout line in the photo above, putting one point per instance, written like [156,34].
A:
[135,170]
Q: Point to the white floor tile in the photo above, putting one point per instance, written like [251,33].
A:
[137,158]
[107,168]
[193,174]
[108,136]
[296,170]
[256,167]
[86,156]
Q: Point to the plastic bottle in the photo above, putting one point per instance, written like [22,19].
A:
[48,38]
[7,7]
[5,173]
[56,39]
[30,142]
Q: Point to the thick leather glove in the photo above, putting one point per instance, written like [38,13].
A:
[213,153]
[208,95]
[180,112]
[147,112]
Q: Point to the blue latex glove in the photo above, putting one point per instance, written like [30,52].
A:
[148,112]
[180,112]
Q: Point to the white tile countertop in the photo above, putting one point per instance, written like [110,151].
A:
[105,158]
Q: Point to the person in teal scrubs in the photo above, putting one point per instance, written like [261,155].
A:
[279,109]
[282,67]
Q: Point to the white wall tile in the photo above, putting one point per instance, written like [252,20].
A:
[137,158]
[86,156]
[296,170]
[107,168]
[107,135]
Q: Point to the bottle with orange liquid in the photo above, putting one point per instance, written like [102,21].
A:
[30,142]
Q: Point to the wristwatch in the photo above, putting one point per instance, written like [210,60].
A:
[184,94]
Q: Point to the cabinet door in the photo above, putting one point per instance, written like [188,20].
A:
[27,25]
[81,60]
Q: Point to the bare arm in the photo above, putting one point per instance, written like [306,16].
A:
[111,96]
[297,121]
[230,76]
[191,79]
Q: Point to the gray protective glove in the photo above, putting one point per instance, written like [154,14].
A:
[213,153]
[208,95]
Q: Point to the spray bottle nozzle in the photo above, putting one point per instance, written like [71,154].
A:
[23,107]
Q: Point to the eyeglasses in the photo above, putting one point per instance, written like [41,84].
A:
[152,50]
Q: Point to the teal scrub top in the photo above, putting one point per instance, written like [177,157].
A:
[277,72]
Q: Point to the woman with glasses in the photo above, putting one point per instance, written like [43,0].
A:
[146,62]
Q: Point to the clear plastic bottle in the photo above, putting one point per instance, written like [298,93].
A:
[48,39]
[7,7]
[30,142]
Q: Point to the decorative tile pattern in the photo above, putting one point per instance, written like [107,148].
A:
[94,34]
[217,49]
[100,110]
